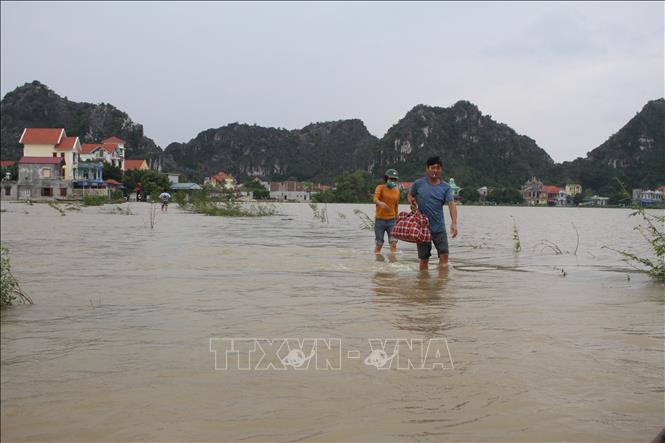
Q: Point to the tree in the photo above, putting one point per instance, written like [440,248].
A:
[111,172]
[258,191]
[505,195]
[350,187]
[12,170]
[618,193]
[152,182]
[469,195]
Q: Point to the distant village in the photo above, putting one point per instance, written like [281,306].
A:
[56,166]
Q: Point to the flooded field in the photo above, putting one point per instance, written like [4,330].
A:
[539,346]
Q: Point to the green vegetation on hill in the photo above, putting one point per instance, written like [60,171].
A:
[635,155]
[318,152]
[476,150]
[35,105]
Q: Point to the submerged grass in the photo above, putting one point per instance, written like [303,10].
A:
[654,234]
[226,205]
[10,290]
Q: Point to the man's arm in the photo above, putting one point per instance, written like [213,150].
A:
[452,207]
[412,200]
[377,194]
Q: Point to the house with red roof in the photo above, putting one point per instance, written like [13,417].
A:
[139,165]
[53,142]
[111,150]
[221,179]
[107,152]
[551,194]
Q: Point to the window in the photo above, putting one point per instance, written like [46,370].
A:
[47,192]
[63,192]
[62,154]
[55,154]
[8,190]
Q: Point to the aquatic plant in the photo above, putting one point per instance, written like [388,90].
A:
[126,211]
[320,213]
[654,234]
[57,208]
[577,245]
[516,237]
[201,202]
[550,244]
[152,215]
[10,291]
[366,222]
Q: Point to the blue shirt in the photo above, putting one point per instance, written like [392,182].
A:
[430,199]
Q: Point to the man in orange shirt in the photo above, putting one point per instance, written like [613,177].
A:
[386,197]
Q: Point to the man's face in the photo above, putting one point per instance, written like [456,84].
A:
[433,171]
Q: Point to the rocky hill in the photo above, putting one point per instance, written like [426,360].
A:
[35,105]
[317,152]
[635,155]
[475,149]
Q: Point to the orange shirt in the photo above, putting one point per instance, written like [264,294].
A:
[391,198]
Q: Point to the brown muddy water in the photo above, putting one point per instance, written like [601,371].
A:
[117,346]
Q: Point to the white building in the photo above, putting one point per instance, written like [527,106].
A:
[291,191]
[111,151]
[647,196]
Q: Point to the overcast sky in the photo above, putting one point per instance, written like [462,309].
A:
[568,75]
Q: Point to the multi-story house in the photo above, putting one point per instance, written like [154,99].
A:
[533,193]
[647,196]
[107,152]
[573,189]
[53,142]
[551,194]
[42,178]
[110,150]
[563,198]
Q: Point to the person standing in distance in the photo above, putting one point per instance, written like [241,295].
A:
[386,197]
[429,194]
[165,197]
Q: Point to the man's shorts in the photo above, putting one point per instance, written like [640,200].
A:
[382,227]
[440,240]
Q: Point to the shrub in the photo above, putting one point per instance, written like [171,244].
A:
[8,285]
[93,200]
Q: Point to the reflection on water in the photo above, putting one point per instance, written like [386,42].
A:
[419,301]
[116,347]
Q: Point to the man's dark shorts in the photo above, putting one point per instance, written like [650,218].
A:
[440,240]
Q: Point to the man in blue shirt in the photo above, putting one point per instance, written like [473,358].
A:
[429,194]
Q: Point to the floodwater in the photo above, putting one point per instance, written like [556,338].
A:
[535,346]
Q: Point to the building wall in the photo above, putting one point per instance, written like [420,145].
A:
[32,181]
[48,150]
[12,187]
[71,165]
[38,150]
[573,189]
[301,196]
